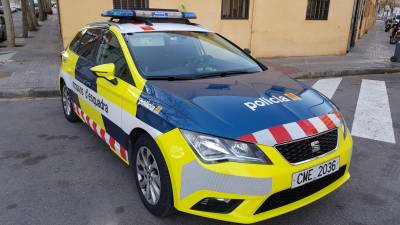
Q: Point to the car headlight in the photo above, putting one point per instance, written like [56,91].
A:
[213,150]
[344,125]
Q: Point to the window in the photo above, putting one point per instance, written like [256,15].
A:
[317,9]
[89,44]
[235,9]
[131,4]
[110,52]
[76,42]
[186,54]
[86,43]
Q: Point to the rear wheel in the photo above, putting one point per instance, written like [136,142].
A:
[67,104]
[152,177]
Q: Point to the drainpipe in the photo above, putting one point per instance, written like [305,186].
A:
[253,13]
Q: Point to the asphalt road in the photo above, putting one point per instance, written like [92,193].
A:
[54,172]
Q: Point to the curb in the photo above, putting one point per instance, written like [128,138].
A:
[29,92]
[344,73]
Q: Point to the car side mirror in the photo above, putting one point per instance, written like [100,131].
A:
[247,50]
[106,71]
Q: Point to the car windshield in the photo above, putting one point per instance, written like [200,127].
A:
[187,55]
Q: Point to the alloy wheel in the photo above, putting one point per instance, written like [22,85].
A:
[66,101]
[148,175]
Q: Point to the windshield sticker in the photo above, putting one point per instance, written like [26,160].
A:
[263,101]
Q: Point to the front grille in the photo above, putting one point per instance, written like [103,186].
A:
[292,195]
[299,151]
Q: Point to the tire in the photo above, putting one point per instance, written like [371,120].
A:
[161,206]
[69,113]
[393,59]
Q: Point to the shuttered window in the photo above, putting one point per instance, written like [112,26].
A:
[131,4]
[318,9]
[235,9]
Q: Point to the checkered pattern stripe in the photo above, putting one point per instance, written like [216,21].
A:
[294,131]
[115,146]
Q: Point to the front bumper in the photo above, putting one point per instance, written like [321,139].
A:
[253,184]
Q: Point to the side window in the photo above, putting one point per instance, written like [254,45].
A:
[110,52]
[89,44]
[76,42]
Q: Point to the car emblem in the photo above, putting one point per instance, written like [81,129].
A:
[315,146]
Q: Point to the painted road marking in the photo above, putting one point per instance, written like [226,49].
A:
[373,119]
[6,56]
[327,86]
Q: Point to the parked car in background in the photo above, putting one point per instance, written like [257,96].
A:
[3,33]
[15,8]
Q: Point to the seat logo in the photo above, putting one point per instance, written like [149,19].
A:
[263,101]
[315,146]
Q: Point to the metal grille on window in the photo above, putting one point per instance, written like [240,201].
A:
[235,9]
[131,4]
[318,9]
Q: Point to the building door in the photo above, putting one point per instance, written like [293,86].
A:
[354,23]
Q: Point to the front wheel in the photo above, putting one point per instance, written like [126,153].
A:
[152,177]
[67,104]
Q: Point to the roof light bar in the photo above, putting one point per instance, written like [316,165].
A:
[149,14]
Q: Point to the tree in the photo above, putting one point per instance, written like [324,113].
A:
[33,15]
[42,10]
[25,19]
[9,23]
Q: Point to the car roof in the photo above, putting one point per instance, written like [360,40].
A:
[136,27]
[142,27]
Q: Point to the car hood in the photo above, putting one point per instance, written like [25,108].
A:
[234,106]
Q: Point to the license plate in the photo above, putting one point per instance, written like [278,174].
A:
[311,174]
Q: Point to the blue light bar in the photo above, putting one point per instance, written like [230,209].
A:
[150,14]
[118,13]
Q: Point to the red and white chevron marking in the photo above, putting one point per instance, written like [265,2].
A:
[294,131]
[115,146]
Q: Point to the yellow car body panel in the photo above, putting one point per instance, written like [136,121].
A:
[178,153]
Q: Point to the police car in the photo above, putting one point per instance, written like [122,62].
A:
[205,127]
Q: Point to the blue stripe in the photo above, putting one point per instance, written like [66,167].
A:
[116,132]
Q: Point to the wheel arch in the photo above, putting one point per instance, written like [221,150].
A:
[133,137]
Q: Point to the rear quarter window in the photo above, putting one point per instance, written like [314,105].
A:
[76,42]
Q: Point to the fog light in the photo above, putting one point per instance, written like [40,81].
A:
[217,205]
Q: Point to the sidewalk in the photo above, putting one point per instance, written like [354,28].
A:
[32,70]
[370,56]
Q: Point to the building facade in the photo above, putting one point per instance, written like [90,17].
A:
[270,28]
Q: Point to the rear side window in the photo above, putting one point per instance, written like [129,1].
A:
[86,43]
[75,43]
[89,44]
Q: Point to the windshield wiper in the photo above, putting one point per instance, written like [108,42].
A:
[201,76]
[169,78]
[225,73]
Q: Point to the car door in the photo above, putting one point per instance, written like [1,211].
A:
[121,95]
[77,63]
